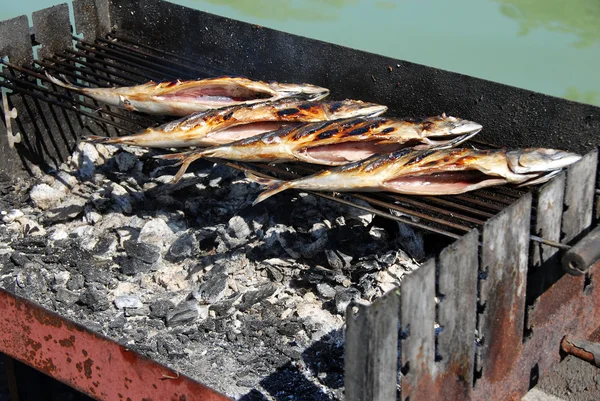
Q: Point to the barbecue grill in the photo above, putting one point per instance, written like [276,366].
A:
[504,302]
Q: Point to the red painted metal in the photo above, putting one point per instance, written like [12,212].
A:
[87,361]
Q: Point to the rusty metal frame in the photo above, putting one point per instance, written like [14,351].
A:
[86,360]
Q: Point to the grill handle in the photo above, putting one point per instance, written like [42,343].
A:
[583,255]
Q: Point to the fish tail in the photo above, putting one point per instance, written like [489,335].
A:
[101,139]
[273,185]
[184,159]
[64,84]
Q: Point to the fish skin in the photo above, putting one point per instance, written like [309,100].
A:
[364,137]
[202,128]
[420,168]
[177,98]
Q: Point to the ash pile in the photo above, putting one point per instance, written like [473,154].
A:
[247,300]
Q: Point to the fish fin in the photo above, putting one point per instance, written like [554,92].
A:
[273,185]
[539,180]
[436,145]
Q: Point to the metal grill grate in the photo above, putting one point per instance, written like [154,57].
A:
[114,61]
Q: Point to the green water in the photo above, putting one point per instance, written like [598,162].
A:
[549,46]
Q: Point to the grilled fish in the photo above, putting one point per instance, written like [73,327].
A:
[337,142]
[181,98]
[432,172]
[226,125]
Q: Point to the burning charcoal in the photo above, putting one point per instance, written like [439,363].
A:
[66,297]
[76,282]
[95,299]
[181,248]
[142,251]
[133,266]
[275,273]
[326,291]
[238,228]
[289,328]
[225,307]
[19,258]
[31,278]
[44,196]
[185,312]
[63,214]
[125,161]
[12,215]
[96,272]
[253,297]
[120,197]
[343,297]
[128,301]
[213,288]
[117,322]
[88,155]
[411,241]
[168,345]
[60,279]
[159,309]
[106,245]
[337,260]
[157,232]
[141,311]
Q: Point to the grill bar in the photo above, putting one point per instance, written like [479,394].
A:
[117,61]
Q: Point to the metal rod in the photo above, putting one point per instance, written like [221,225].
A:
[548,242]
[108,63]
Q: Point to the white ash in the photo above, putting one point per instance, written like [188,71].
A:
[247,300]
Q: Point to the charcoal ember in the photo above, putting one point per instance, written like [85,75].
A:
[184,313]
[168,345]
[75,282]
[182,247]
[125,161]
[226,306]
[286,237]
[143,310]
[128,301]
[275,273]
[63,214]
[45,196]
[237,232]
[289,328]
[212,289]
[95,299]
[343,297]
[253,297]
[96,272]
[326,291]
[160,308]
[66,297]
[338,260]
[60,279]
[411,241]
[12,215]
[85,160]
[207,325]
[106,245]
[31,278]
[19,259]
[157,232]
[368,285]
[145,252]
[206,238]
[133,266]
[118,322]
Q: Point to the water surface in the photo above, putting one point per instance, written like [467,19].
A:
[549,46]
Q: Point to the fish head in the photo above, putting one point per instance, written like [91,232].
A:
[535,160]
[354,108]
[447,131]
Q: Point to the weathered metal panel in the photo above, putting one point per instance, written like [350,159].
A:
[91,18]
[417,320]
[504,257]
[371,360]
[87,361]
[548,218]
[579,196]
[457,309]
[15,40]
[52,27]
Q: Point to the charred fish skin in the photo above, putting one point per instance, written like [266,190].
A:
[432,172]
[334,143]
[214,127]
[181,98]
